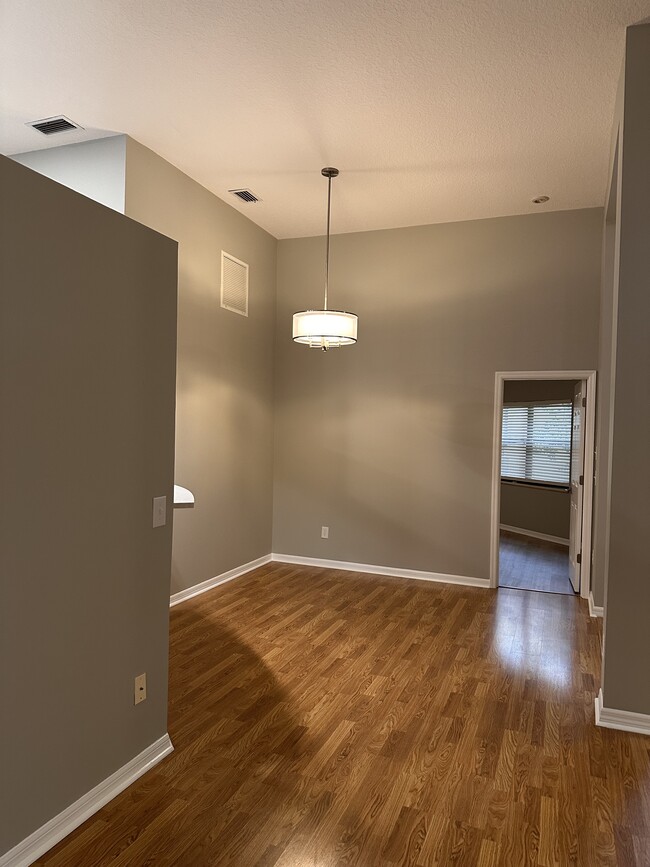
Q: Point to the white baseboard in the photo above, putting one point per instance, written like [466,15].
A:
[624,720]
[559,540]
[388,571]
[60,826]
[326,564]
[182,595]
[594,610]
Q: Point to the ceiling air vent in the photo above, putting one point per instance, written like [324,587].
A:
[50,125]
[234,284]
[246,196]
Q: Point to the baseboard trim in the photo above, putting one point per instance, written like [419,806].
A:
[204,586]
[594,610]
[387,571]
[559,540]
[623,720]
[48,835]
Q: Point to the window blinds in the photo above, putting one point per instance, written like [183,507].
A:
[536,442]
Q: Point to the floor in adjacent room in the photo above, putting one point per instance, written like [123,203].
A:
[526,563]
[324,718]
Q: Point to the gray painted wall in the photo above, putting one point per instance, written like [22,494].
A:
[627,596]
[95,168]
[529,508]
[88,328]
[224,418]
[604,400]
[539,509]
[519,390]
[389,442]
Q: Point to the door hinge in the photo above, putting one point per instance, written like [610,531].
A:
[584,401]
[582,480]
[579,557]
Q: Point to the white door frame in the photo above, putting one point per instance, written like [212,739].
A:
[589,376]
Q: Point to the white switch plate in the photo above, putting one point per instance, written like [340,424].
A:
[324,532]
[140,688]
[159,511]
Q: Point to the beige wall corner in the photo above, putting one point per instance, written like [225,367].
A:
[627,590]
[88,337]
[95,168]
[224,419]
[389,442]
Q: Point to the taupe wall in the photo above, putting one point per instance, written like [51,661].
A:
[94,168]
[604,401]
[88,330]
[520,390]
[627,597]
[224,420]
[530,508]
[542,510]
[389,442]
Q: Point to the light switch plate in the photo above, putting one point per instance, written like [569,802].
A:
[324,532]
[159,511]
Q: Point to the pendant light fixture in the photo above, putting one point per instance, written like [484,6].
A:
[324,329]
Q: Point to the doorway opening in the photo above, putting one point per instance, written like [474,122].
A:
[542,480]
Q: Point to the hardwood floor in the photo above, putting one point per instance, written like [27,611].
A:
[532,564]
[327,718]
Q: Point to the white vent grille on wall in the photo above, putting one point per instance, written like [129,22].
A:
[234,284]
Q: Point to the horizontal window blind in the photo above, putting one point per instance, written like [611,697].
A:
[536,442]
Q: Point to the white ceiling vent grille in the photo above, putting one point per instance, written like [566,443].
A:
[234,284]
[51,125]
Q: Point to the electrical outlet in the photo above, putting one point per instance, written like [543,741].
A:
[159,511]
[140,688]
[324,532]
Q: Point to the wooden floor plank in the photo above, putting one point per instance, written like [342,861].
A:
[533,564]
[327,718]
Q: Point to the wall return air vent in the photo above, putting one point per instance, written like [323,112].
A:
[51,125]
[246,196]
[234,284]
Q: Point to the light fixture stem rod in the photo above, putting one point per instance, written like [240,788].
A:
[327,254]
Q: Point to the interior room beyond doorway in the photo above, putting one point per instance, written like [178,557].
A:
[540,451]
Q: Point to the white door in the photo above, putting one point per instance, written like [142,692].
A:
[577,485]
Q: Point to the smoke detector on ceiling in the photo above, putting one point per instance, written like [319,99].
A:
[540,200]
[246,196]
[51,125]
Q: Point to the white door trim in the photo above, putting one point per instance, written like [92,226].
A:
[589,376]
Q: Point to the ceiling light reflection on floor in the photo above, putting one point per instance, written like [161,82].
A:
[533,640]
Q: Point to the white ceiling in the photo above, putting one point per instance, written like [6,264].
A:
[434,110]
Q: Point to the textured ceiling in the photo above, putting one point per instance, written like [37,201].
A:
[434,110]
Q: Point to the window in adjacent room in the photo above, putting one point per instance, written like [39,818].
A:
[536,442]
